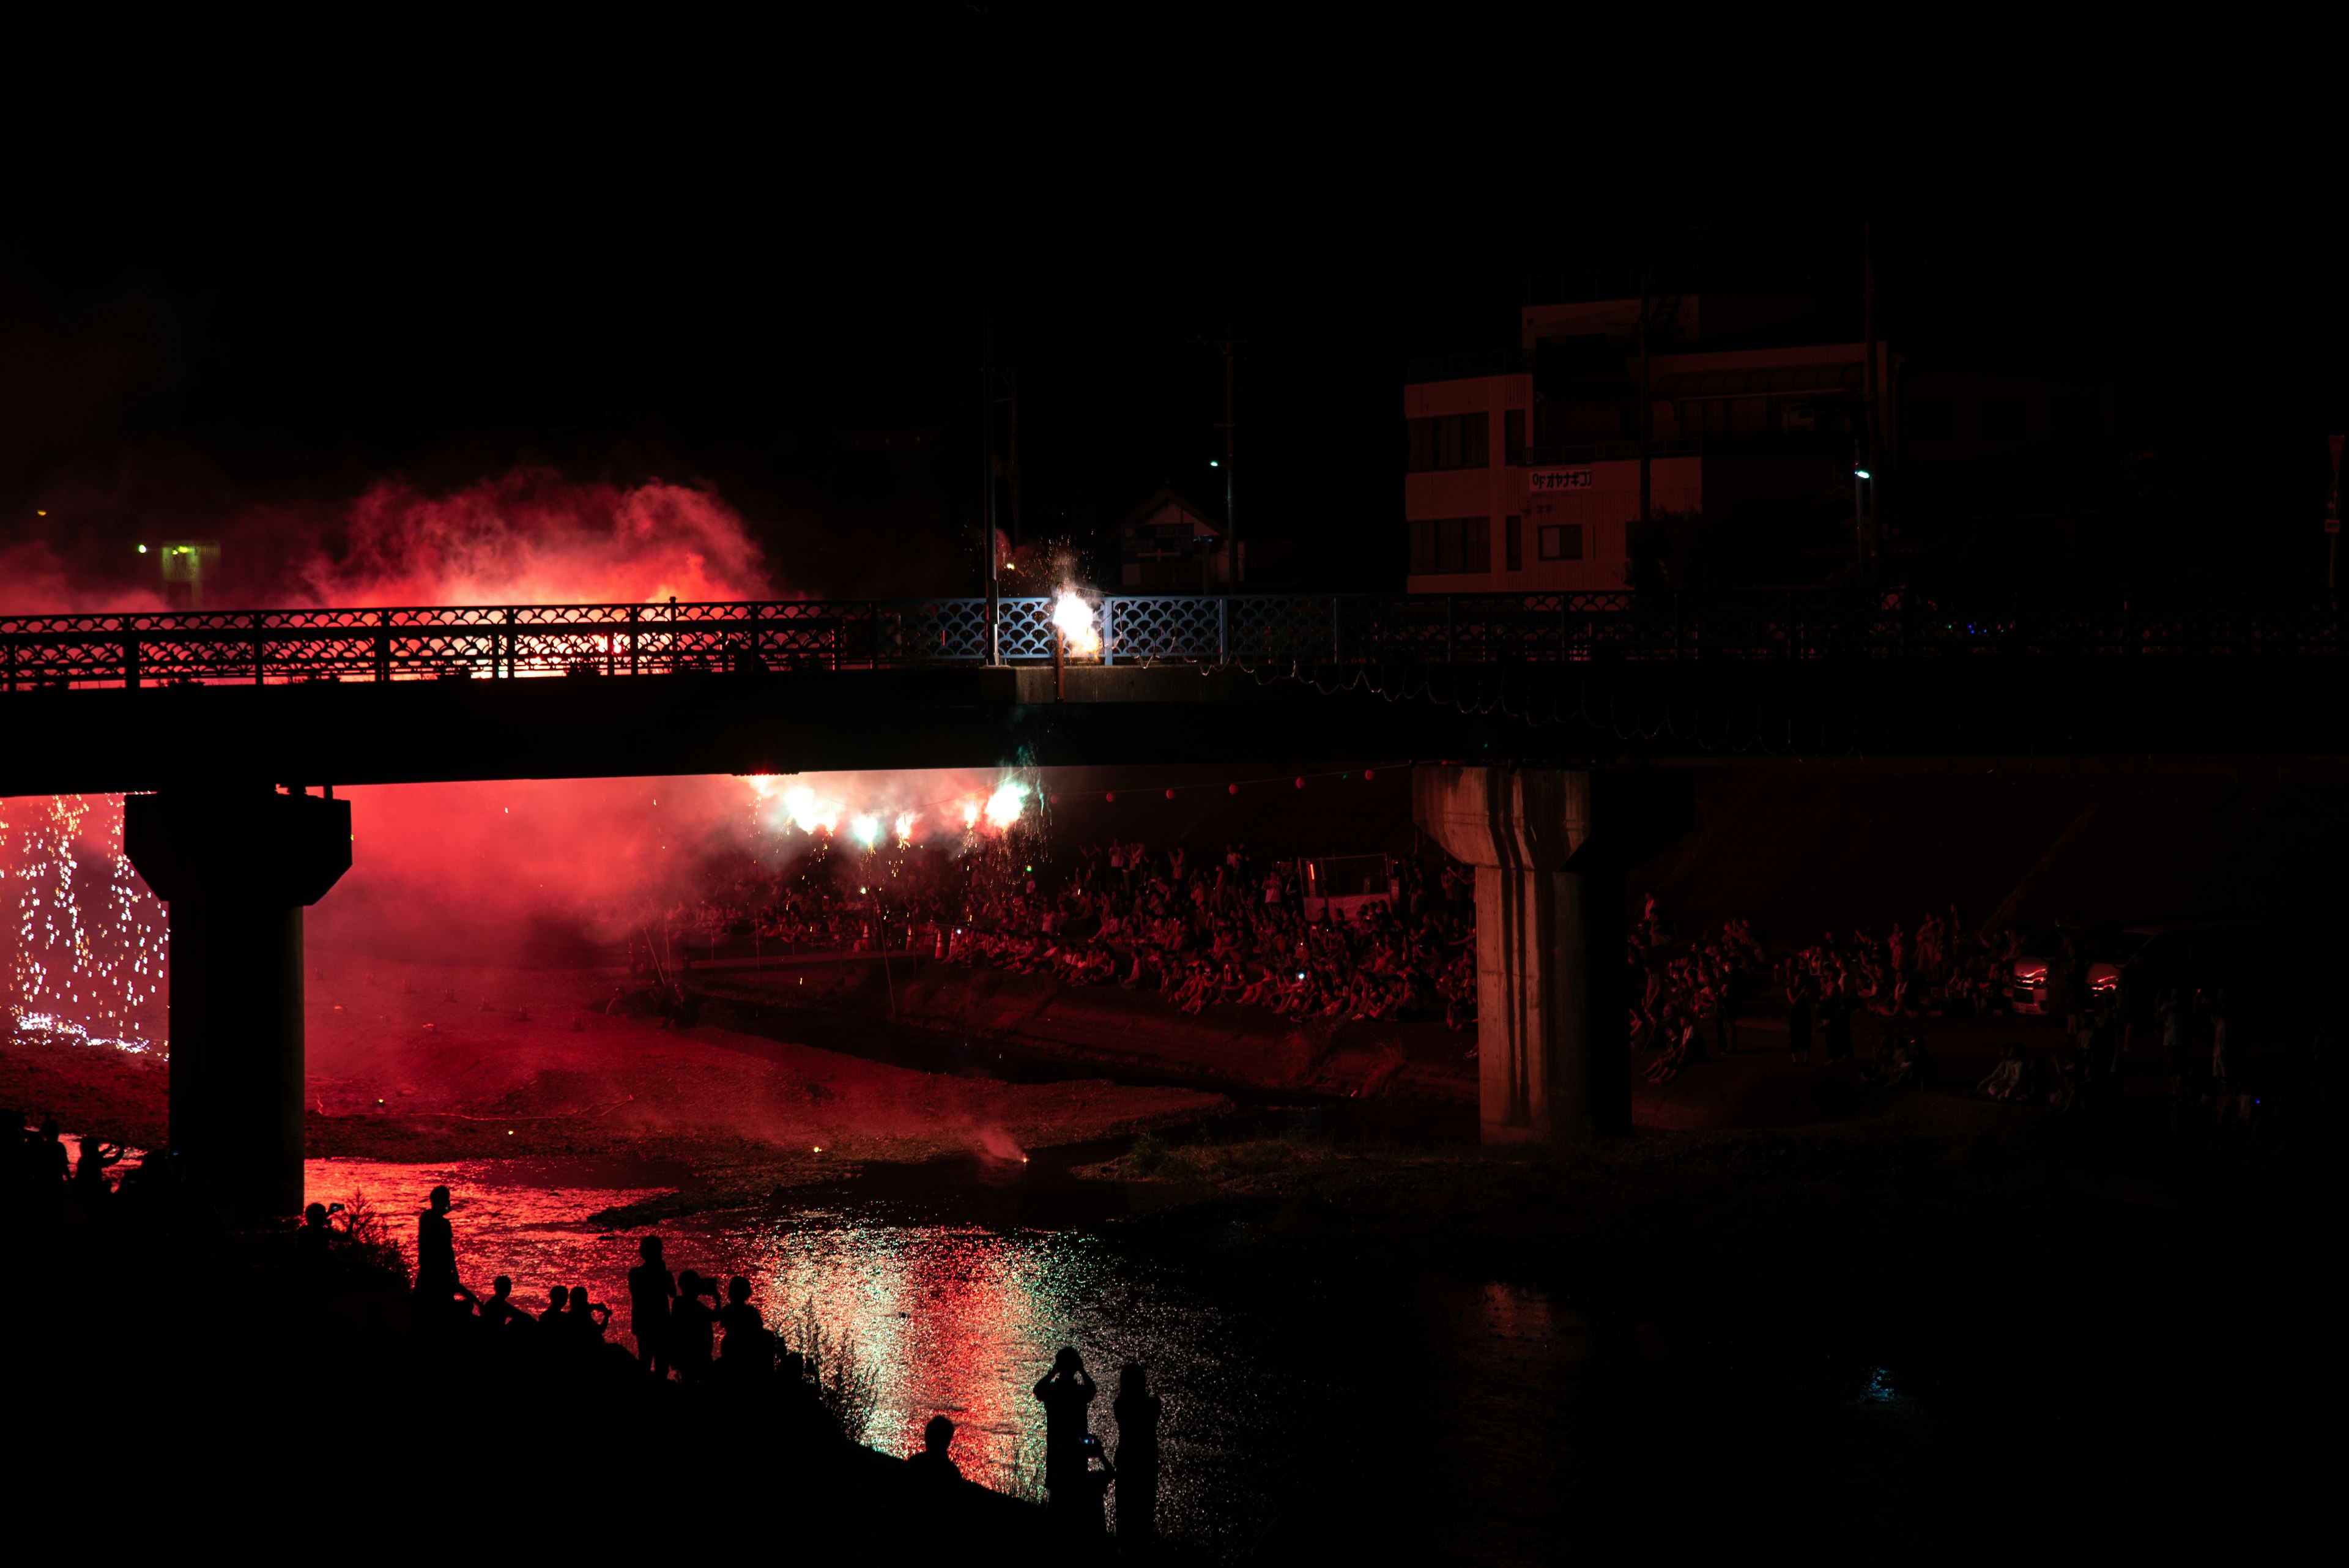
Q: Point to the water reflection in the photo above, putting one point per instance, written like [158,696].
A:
[955,1318]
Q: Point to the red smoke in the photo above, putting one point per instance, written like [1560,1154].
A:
[488,873]
[530,536]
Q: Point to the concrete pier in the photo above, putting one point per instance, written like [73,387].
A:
[237,869]
[1551,848]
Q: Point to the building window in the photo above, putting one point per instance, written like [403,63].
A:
[1448,441]
[1446,546]
[1513,438]
[1512,552]
[1932,419]
[1561,542]
[2075,419]
[2001,418]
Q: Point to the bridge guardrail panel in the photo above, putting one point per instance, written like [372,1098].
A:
[385,643]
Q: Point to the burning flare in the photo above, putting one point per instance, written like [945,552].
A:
[1004,805]
[1075,620]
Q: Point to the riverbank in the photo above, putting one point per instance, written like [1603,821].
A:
[161,1400]
[1109,1025]
[1416,1063]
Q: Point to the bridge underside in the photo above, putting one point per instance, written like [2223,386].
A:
[409,732]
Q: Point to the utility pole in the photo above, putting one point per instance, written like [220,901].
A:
[1646,403]
[1872,522]
[987,366]
[2333,512]
[1231,525]
[1011,450]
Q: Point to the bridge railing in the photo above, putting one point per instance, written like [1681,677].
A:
[248,646]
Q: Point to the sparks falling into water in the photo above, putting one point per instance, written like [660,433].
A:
[89,968]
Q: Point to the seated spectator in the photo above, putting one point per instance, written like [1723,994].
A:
[2009,1080]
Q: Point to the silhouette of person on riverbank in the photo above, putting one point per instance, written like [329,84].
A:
[45,1168]
[587,1320]
[311,1242]
[651,1288]
[934,1465]
[500,1313]
[749,1349]
[1085,1515]
[692,1327]
[90,1187]
[436,1250]
[1137,1410]
[1066,1393]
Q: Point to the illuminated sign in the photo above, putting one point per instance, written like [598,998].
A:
[1543,480]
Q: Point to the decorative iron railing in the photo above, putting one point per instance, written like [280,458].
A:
[272,647]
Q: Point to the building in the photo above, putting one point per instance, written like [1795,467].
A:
[1168,545]
[1523,476]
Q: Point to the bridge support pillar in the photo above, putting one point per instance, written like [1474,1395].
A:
[1551,848]
[236,869]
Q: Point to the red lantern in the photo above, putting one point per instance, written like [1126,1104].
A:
[1110,797]
[1300,783]
[1369,773]
[1233,789]
[1170,794]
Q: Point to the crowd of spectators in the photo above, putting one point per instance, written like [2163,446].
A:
[1202,929]
[1198,929]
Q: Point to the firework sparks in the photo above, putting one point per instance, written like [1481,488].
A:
[87,965]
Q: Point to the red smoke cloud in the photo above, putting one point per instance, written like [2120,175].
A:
[529,536]
[532,537]
[490,873]
[34,580]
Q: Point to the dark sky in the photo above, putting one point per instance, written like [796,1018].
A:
[731,257]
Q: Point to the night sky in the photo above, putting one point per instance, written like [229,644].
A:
[752,261]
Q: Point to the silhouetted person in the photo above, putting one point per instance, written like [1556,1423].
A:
[1137,1410]
[692,1327]
[556,1321]
[436,1250]
[500,1313]
[311,1241]
[749,1349]
[586,1319]
[49,1164]
[934,1465]
[90,1187]
[1085,1516]
[1066,1393]
[651,1287]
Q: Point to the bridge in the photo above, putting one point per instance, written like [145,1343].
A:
[1542,708]
[131,702]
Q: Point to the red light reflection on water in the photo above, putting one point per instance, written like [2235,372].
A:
[959,1320]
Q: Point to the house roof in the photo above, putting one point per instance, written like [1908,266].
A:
[1165,506]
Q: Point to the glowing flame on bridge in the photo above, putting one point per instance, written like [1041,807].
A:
[1074,616]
